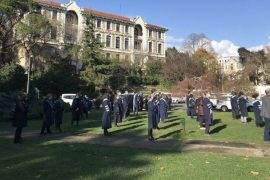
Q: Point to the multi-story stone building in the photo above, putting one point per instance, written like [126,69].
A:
[123,38]
[230,64]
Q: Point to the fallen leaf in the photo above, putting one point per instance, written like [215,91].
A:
[254,173]
[162,168]
[140,170]
[207,162]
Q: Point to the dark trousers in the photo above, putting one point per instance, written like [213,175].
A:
[18,135]
[46,126]
[76,117]
[105,132]
[207,126]
[150,134]
[267,129]
[235,114]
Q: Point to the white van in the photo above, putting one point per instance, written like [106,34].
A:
[68,98]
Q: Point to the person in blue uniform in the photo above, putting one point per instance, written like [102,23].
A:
[152,123]
[207,110]
[20,117]
[48,114]
[234,105]
[243,107]
[106,115]
[157,104]
[191,106]
[187,101]
[136,103]
[257,106]
[163,108]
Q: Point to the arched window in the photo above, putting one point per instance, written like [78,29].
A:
[71,27]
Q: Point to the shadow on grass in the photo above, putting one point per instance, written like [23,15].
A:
[170,125]
[169,134]
[216,121]
[218,129]
[128,124]
[126,129]
[249,119]
[172,120]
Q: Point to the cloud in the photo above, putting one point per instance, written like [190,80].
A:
[172,41]
[256,48]
[225,48]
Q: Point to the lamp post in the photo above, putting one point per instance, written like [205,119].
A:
[28,71]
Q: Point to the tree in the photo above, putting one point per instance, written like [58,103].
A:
[208,60]
[195,41]
[11,13]
[153,71]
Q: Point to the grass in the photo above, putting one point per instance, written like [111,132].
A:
[39,159]
[224,129]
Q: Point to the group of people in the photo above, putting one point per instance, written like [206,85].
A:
[202,108]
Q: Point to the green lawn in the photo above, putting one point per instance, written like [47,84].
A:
[225,128]
[38,159]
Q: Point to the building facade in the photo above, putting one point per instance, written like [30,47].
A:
[230,64]
[122,37]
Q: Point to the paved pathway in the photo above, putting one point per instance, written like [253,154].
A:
[167,144]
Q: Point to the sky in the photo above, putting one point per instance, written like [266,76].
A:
[229,24]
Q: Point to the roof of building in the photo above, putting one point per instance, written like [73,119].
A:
[152,26]
[48,2]
[103,14]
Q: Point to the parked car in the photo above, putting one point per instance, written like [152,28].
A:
[68,98]
[224,104]
[176,100]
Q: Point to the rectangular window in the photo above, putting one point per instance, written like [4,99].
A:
[126,28]
[108,41]
[53,33]
[98,36]
[98,23]
[54,15]
[108,25]
[150,48]
[117,27]
[159,35]
[117,43]
[126,43]
[159,48]
[150,33]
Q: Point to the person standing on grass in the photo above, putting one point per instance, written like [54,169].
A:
[243,106]
[234,105]
[125,104]
[200,112]
[257,110]
[117,108]
[106,115]
[163,108]
[265,113]
[59,111]
[136,103]
[191,106]
[187,101]
[20,117]
[152,123]
[76,110]
[207,111]
[48,115]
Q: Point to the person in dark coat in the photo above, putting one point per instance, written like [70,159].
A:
[76,110]
[125,103]
[243,107]
[136,103]
[170,102]
[117,108]
[106,116]
[20,117]
[257,110]
[59,111]
[152,123]
[191,106]
[207,111]
[48,114]
[200,111]
[163,108]
[234,105]
[187,101]
[157,104]
[265,113]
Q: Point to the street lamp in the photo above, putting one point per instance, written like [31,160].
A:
[28,72]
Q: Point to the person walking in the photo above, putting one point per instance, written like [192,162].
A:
[48,115]
[257,106]
[152,123]
[20,117]
[265,113]
[106,115]
[243,107]
[234,105]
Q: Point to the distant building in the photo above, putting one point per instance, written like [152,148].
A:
[229,64]
[123,38]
